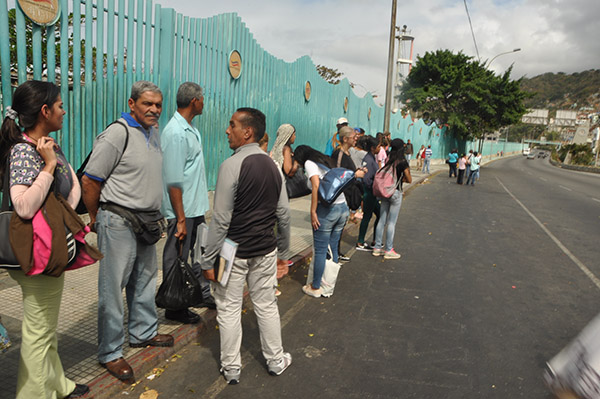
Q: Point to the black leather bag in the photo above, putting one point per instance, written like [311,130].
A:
[180,288]
[297,185]
[7,257]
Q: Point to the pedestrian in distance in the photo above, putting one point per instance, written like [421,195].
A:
[462,166]
[427,158]
[452,161]
[185,192]
[121,181]
[384,143]
[35,163]
[390,207]
[468,167]
[408,151]
[250,197]
[370,202]
[420,156]
[475,165]
[327,221]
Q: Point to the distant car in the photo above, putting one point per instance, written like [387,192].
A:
[541,154]
[531,155]
[526,151]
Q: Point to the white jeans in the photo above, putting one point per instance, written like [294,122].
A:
[260,274]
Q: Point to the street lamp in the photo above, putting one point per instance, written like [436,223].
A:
[506,52]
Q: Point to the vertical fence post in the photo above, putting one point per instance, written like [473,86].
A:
[5,57]
[165,78]
[64,79]
[21,49]
[77,108]
[100,88]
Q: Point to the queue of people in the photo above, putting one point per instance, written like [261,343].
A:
[136,178]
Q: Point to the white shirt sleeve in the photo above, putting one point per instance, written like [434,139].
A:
[312,169]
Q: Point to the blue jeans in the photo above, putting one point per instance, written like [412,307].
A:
[390,207]
[130,265]
[474,175]
[332,219]
[426,164]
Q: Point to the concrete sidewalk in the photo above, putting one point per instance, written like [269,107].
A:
[77,326]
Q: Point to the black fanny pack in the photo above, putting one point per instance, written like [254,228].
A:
[148,226]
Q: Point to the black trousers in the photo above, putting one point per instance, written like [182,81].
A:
[461,175]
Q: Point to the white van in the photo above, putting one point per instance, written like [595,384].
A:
[526,151]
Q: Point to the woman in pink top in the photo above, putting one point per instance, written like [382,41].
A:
[462,166]
[35,162]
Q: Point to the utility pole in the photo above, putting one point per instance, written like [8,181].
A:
[390,71]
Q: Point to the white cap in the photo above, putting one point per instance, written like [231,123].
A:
[341,121]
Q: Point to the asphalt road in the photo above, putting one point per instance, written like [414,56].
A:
[491,284]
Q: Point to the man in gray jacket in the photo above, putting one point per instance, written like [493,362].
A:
[249,198]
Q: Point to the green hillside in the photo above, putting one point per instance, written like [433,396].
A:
[554,91]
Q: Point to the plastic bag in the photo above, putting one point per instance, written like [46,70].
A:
[330,275]
[180,288]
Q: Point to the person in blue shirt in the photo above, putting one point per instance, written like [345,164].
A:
[452,160]
[185,192]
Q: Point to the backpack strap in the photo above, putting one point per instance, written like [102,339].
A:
[81,169]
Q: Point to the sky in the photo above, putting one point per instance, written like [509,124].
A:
[353,35]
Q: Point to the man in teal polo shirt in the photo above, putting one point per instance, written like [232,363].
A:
[185,193]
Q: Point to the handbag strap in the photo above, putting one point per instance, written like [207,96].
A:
[5,187]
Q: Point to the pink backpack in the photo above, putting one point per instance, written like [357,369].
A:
[385,182]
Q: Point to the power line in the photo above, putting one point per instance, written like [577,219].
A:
[472,33]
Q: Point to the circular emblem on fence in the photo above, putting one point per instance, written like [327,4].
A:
[235,64]
[369,114]
[42,12]
[346,104]
[307,90]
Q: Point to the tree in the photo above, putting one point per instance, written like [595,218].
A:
[331,75]
[461,92]
[12,33]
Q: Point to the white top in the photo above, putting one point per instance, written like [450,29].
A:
[311,169]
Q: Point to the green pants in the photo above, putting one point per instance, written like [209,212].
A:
[41,375]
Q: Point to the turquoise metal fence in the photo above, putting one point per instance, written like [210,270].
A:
[116,43]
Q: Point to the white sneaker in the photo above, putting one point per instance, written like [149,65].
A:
[391,254]
[232,376]
[310,291]
[279,367]
[378,252]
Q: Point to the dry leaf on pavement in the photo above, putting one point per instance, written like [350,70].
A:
[150,394]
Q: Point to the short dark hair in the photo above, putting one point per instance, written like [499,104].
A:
[254,119]
[369,143]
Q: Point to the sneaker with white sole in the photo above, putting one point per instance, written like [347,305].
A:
[378,251]
[278,367]
[310,291]
[363,247]
[391,254]
[232,376]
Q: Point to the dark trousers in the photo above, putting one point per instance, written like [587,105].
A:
[461,175]
[370,206]
[452,169]
[171,250]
